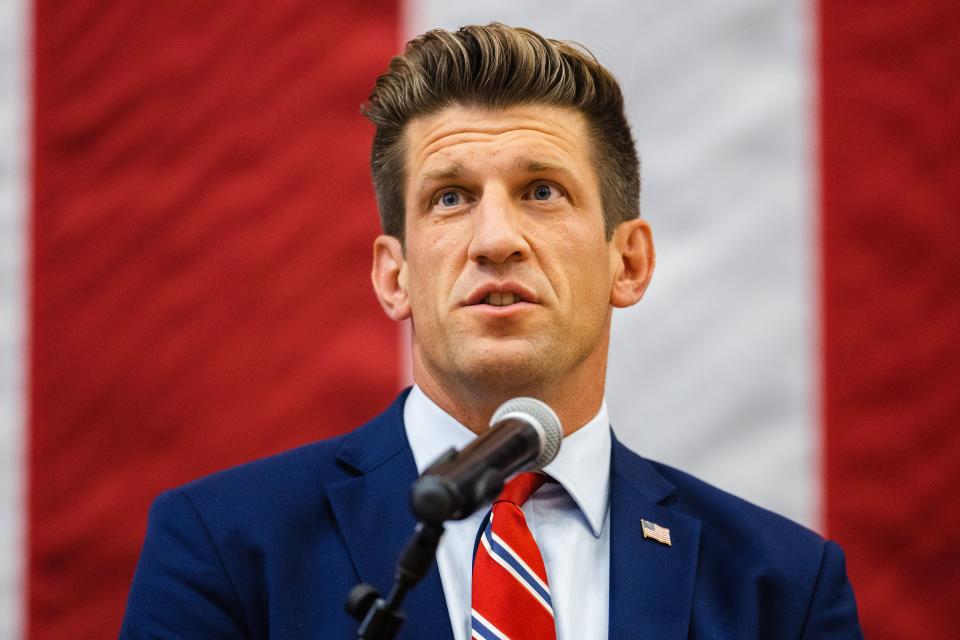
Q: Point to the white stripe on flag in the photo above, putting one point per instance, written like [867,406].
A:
[14,18]
[714,371]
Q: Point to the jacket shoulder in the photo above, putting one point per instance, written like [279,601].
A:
[279,477]
[735,517]
[298,478]
[765,562]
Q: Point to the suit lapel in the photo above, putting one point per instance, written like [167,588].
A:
[372,513]
[651,584]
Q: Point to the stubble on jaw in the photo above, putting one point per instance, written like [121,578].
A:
[482,383]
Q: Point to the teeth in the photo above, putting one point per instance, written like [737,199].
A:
[500,299]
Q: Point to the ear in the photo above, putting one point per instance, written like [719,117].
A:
[632,250]
[389,276]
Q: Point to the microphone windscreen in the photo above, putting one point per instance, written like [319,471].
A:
[542,418]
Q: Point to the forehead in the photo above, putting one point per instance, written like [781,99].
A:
[464,138]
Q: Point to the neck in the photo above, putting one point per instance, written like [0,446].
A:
[576,398]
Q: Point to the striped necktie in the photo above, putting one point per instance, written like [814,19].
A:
[510,596]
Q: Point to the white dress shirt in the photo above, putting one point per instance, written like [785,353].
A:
[569,519]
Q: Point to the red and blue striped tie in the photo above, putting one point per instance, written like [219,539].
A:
[511,598]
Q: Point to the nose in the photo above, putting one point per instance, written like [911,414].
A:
[497,230]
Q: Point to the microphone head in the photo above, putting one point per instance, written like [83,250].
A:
[542,418]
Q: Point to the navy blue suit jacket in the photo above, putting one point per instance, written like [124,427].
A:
[271,548]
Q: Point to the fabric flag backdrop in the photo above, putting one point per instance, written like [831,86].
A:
[185,228]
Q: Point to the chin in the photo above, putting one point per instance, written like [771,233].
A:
[504,368]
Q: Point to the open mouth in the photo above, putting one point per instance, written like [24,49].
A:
[504,294]
[501,299]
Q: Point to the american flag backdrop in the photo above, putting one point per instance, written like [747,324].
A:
[186,218]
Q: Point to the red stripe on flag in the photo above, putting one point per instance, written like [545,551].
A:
[891,234]
[201,240]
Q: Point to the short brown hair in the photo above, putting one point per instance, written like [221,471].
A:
[495,67]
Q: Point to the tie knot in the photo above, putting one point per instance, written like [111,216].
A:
[521,487]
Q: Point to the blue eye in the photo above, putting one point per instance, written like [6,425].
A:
[450,198]
[542,192]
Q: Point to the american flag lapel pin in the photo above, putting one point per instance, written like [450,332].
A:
[655,531]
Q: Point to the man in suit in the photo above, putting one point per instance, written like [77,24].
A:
[508,187]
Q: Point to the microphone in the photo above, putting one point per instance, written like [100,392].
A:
[524,435]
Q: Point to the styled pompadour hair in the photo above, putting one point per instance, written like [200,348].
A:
[494,67]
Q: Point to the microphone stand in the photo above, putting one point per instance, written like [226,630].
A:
[381,619]
[433,501]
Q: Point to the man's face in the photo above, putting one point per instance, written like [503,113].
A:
[507,268]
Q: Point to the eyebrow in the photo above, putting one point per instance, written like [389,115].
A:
[453,171]
[444,173]
[537,166]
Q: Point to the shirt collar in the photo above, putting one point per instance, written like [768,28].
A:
[582,467]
